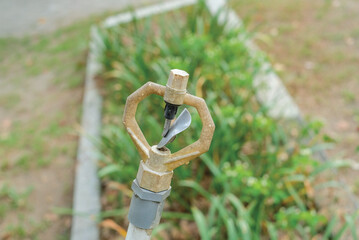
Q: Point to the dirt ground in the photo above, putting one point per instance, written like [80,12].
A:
[314,46]
[39,111]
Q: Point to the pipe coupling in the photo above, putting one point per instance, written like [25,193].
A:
[146,206]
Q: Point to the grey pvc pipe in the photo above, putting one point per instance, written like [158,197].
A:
[135,233]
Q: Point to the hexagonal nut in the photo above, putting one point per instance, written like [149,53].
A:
[152,180]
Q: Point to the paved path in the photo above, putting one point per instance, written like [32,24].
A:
[22,17]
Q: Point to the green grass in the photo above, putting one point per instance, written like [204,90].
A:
[258,178]
[62,52]
[21,230]
[16,231]
[12,199]
[8,101]
[43,54]
[34,142]
[348,96]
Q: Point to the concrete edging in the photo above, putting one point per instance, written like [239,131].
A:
[86,199]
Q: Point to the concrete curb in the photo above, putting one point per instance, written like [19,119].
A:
[86,201]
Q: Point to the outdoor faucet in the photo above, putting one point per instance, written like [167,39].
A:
[153,181]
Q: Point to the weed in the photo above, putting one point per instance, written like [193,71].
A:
[11,199]
[23,161]
[16,231]
[9,101]
[24,229]
[348,96]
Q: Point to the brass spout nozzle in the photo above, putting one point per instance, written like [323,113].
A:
[176,87]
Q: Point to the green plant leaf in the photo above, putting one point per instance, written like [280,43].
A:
[109,170]
[201,224]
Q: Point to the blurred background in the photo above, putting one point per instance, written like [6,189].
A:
[43,50]
[312,45]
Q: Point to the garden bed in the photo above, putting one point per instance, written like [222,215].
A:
[258,178]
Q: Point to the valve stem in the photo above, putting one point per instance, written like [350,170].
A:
[166,127]
[169,114]
[174,96]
